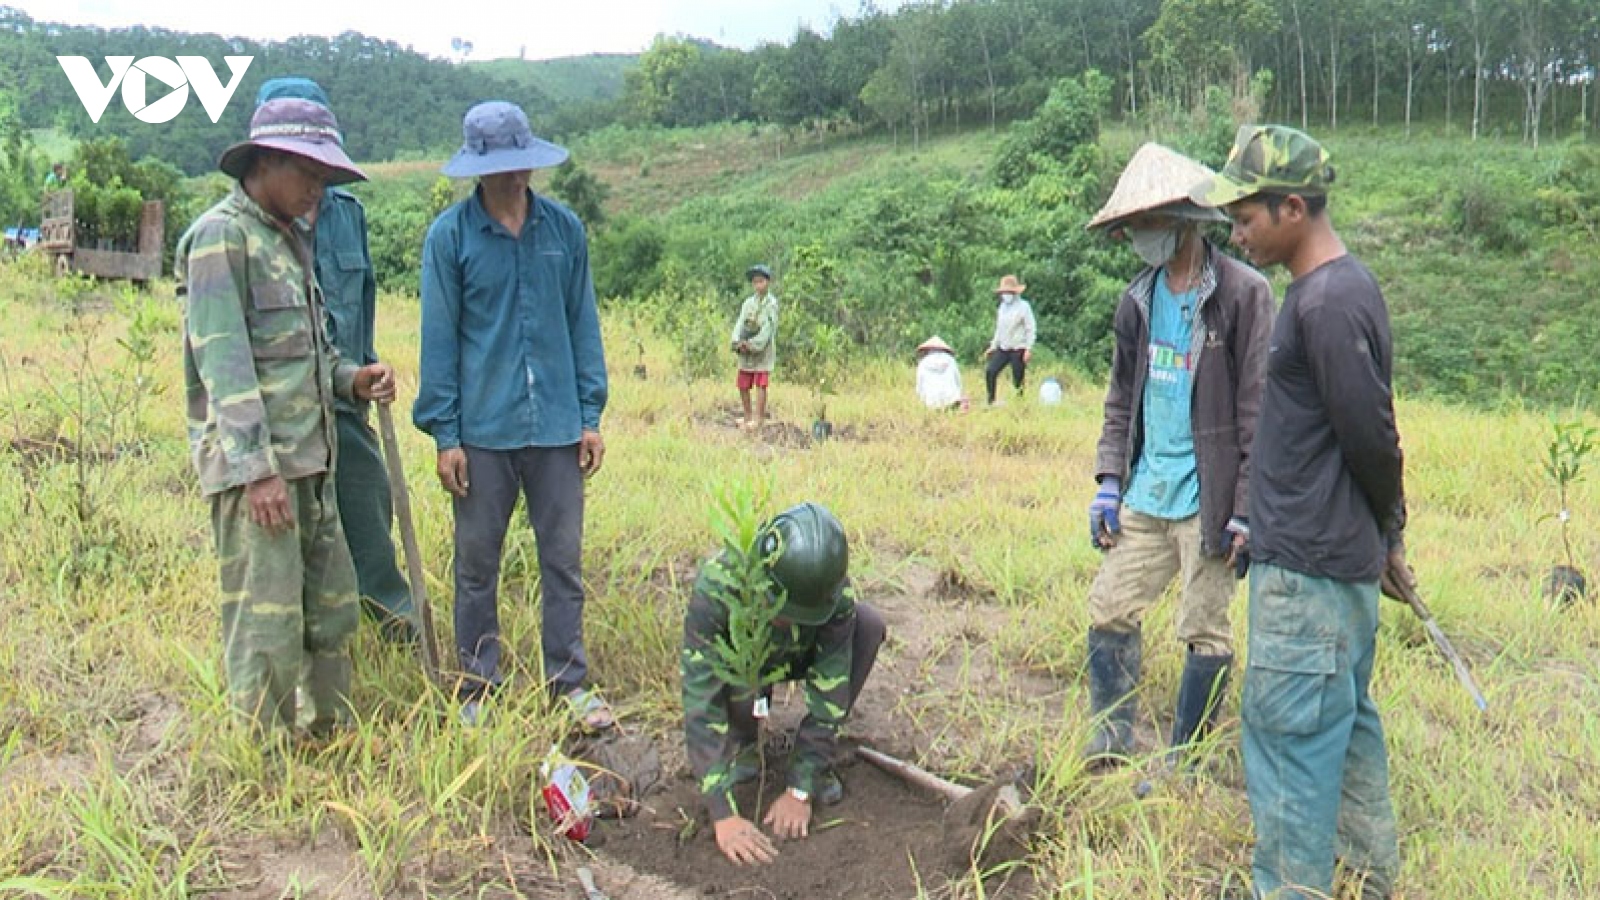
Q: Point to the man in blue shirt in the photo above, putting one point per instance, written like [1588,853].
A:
[349,290]
[1180,416]
[513,385]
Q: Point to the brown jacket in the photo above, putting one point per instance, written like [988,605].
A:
[1230,341]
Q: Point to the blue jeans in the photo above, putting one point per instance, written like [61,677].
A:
[1314,760]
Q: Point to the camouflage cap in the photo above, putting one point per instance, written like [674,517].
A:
[1267,159]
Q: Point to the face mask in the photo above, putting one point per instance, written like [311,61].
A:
[1007,298]
[1154,245]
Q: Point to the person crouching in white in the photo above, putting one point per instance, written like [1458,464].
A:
[938,375]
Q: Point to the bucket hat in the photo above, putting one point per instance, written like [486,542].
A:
[758,269]
[1157,180]
[292,86]
[1010,285]
[297,126]
[1268,159]
[495,139]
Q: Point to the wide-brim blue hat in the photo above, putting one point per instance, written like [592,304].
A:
[496,138]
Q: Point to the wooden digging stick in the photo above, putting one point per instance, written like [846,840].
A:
[1442,643]
[914,774]
[427,645]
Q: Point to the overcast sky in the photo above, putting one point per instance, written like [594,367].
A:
[542,28]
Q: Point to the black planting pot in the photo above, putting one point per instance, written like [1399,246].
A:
[640,372]
[1565,585]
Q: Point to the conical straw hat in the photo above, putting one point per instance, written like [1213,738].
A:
[1156,177]
[933,343]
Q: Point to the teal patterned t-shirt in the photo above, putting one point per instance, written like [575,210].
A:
[1165,481]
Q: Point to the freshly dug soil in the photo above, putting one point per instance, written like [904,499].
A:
[862,848]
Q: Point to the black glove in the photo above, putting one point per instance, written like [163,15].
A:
[1240,554]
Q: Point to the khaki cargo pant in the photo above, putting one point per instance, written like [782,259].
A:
[288,601]
[1149,551]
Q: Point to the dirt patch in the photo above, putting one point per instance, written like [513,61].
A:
[47,772]
[37,453]
[775,432]
[330,868]
[952,585]
[270,870]
[883,841]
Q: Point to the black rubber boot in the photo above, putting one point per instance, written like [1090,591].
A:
[830,790]
[1205,681]
[1114,663]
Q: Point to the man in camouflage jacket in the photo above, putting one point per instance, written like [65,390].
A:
[349,289]
[822,636]
[260,378]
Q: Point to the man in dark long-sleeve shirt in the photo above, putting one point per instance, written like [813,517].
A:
[1325,515]
[513,385]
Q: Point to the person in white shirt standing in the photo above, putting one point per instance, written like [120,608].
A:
[1014,332]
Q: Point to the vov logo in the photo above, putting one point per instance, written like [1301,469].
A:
[186,72]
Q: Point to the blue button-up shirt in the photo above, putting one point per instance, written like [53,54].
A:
[511,353]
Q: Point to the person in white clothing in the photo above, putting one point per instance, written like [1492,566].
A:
[1014,331]
[938,375]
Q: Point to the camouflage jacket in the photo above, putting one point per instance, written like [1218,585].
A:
[818,655]
[758,325]
[259,373]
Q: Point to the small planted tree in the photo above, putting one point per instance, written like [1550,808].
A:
[741,583]
[819,364]
[1570,444]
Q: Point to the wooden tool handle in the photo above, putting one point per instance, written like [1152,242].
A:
[914,775]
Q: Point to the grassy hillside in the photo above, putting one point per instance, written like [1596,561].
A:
[568,80]
[120,775]
[1484,249]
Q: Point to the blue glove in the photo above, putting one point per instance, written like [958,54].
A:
[1104,513]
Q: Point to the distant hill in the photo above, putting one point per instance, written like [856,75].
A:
[392,102]
[568,80]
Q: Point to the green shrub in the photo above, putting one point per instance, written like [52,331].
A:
[626,258]
[582,192]
[1495,210]
[1068,120]
[396,229]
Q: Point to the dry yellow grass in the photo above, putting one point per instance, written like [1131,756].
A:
[121,777]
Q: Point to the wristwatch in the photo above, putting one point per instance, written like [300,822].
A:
[802,796]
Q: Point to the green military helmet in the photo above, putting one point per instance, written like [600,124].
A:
[812,558]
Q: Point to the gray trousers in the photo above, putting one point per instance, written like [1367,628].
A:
[549,480]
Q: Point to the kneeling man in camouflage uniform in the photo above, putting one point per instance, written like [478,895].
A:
[822,636]
[261,378]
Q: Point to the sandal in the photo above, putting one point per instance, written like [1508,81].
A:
[589,710]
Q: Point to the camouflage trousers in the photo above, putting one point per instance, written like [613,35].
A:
[288,603]
[1135,572]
